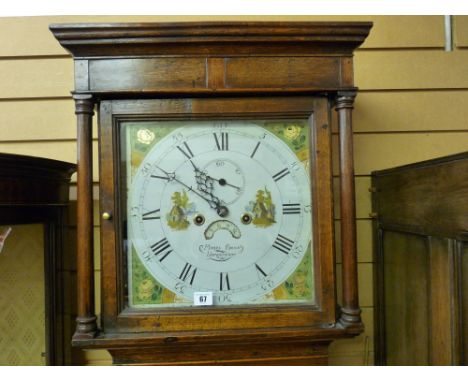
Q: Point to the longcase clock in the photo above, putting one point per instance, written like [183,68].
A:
[216,194]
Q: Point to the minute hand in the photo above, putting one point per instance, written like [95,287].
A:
[214,202]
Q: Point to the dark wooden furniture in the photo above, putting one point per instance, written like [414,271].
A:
[36,190]
[240,70]
[421,255]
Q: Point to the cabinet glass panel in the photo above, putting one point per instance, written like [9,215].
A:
[22,297]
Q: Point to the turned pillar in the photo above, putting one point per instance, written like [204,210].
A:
[350,311]
[86,318]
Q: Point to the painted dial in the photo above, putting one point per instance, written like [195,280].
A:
[216,209]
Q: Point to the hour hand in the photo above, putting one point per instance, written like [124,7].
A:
[205,186]
[204,181]
[200,178]
[222,182]
[211,199]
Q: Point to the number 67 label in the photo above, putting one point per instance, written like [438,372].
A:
[202,298]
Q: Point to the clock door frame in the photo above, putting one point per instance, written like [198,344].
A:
[116,316]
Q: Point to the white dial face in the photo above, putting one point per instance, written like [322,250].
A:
[223,208]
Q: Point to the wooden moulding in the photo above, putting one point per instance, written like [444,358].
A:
[293,346]
[210,38]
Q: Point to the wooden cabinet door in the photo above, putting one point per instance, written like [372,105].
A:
[421,262]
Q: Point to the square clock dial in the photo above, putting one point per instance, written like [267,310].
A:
[218,212]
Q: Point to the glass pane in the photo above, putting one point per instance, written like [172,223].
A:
[217,208]
[22,301]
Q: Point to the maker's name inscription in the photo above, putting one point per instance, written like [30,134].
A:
[220,252]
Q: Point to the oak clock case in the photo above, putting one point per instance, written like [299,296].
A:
[215,182]
[222,207]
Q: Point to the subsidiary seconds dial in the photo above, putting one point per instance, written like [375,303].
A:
[220,209]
